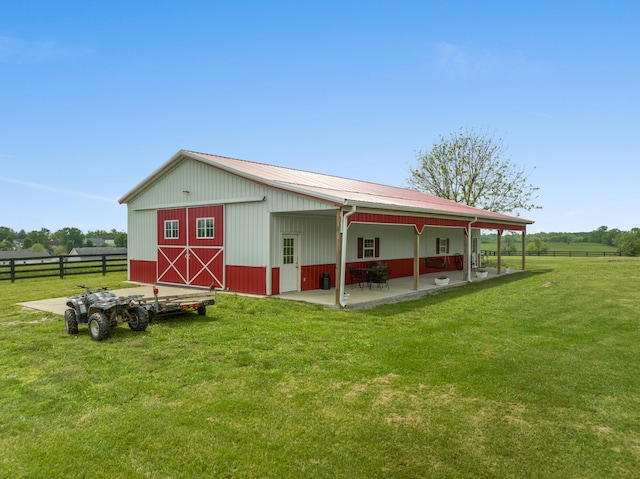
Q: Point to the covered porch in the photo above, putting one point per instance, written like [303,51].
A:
[400,289]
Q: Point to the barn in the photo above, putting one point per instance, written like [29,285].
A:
[211,221]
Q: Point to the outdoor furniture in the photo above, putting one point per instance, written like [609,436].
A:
[358,276]
[436,262]
[380,276]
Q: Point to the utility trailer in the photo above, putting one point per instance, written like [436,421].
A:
[177,303]
[101,310]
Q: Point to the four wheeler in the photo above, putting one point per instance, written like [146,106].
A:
[101,310]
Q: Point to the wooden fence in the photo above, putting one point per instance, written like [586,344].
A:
[61,266]
[571,254]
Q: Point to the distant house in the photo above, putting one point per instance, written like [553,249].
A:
[102,241]
[96,252]
[26,257]
[95,242]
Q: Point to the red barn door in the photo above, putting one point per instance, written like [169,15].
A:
[191,246]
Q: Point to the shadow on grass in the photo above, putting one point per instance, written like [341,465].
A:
[179,320]
[441,296]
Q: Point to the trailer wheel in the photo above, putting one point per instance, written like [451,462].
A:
[139,319]
[71,321]
[99,327]
[202,310]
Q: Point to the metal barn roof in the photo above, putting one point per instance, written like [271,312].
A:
[334,189]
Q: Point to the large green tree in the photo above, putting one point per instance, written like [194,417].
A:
[70,237]
[472,167]
[629,243]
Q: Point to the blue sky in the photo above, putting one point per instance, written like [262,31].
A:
[95,95]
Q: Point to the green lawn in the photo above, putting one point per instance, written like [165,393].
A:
[529,375]
[591,247]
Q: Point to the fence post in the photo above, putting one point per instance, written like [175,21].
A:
[12,266]
[61,266]
[104,265]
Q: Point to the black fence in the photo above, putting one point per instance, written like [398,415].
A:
[61,266]
[575,254]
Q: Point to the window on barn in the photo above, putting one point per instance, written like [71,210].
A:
[442,245]
[288,251]
[171,229]
[204,227]
[368,248]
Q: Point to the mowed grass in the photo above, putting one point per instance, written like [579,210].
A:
[535,374]
[590,247]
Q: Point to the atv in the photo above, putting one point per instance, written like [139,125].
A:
[102,310]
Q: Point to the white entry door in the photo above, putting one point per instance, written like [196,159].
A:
[289,267]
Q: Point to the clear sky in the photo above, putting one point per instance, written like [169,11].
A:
[95,95]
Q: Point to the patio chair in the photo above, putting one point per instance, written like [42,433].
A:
[357,277]
[380,277]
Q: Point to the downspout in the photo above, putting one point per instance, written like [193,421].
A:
[343,256]
[469,262]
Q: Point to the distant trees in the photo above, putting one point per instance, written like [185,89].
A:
[70,238]
[627,242]
[61,242]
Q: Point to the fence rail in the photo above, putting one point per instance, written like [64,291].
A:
[576,254]
[49,266]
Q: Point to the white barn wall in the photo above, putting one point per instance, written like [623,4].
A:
[142,236]
[396,242]
[317,237]
[247,208]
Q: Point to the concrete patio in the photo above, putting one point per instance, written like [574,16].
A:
[400,289]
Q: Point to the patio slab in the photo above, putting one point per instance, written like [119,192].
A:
[59,305]
[400,289]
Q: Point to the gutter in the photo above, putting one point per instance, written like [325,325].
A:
[343,255]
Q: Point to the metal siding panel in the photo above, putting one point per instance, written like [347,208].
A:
[142,242]
[246,224]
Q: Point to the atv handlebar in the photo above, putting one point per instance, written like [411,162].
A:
[89,290]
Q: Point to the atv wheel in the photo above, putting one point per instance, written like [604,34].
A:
[202,310]
[99,327]
[139,319]
[71,321]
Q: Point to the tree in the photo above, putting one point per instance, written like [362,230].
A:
[73,235]
[472,168]
[629,243]
[120,240]
[43,236]
[38,248]
[6,245]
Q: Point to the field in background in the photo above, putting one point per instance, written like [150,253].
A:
[591,247]
[532,374]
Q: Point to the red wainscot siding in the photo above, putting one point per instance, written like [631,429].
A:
[275,281]
[247,279]
[142,271]
[312,274]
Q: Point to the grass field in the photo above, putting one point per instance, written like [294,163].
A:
[591,247]
[533,374]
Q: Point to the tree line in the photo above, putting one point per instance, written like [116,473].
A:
[627,243]
[60,242]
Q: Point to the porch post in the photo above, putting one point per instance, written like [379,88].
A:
[466,249]
[524,232]
[338,273]
[416,259]
[499,250]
